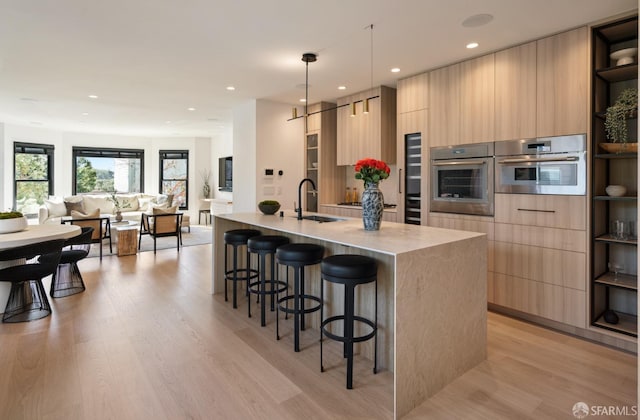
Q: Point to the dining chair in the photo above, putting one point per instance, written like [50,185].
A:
[27,266]
[161,225]
[67,279]
[101,229]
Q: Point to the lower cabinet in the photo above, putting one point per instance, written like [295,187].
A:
[540,266]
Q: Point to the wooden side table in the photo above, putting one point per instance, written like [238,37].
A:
[127,240]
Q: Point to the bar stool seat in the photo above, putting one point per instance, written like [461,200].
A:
[298,256]
[350,271]
[265,245]
[236,238]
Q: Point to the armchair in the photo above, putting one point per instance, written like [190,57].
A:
[101,229]
[161,225]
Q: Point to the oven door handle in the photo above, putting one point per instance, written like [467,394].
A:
[555,159]
[466,162]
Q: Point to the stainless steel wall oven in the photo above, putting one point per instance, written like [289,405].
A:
[462,179]
[550,165]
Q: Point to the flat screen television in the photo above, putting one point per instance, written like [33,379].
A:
[225,171]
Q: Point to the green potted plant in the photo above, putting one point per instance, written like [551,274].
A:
[616,116]
[269,206]
[12,221]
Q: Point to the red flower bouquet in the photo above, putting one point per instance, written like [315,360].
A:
[372,170]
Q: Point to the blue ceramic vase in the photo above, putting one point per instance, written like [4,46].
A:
[372,206]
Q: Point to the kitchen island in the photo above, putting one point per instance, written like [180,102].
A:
[432,310]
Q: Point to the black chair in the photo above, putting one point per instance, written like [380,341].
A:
[298,256]
[265,245]
[160,226]
[350,271]
[29,265]
[67,280]
[237,238]
[101,229]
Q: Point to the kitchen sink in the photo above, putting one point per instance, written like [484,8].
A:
[322,219]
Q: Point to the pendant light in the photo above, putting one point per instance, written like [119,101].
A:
[307,58]
[366,101]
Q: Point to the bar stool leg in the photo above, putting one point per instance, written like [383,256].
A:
[302,326]
[348,333]
[235,277]
[274,281]
[375,338]
[296,307]
[263,287]
[226,269]
[321,320]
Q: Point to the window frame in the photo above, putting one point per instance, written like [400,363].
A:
[34,149]
[81,151]
[174,154]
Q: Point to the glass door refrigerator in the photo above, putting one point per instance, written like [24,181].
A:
[413,178]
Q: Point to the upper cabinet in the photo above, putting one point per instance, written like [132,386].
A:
[562,74]
[477,99]
[413,93]
[515,94]
[367,135]
[461,102]
[444,106]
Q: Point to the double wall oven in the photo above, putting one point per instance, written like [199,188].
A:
[462,179]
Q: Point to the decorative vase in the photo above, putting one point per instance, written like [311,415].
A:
[372,206]
[206,190]
[118,216]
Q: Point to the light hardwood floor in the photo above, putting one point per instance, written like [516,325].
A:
[146,340]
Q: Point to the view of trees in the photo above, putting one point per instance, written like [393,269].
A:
[32,182]
[90,179]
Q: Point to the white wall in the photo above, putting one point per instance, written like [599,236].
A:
[279,146]
[200,155]
[244,157]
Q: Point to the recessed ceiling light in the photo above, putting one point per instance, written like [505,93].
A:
[231,88]
[472,45]
[342,87]
[85,113]
[191,109]
[477,20]
[303,100]
[93,96]
[395,70]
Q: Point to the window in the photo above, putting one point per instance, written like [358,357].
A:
[32,176]
[107,170]
[174,175]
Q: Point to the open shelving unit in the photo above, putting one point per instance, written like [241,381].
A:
[613,267]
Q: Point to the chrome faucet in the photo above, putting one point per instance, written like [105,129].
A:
[299,209]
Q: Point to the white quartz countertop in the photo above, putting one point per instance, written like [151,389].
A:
[392,238]
[359,207]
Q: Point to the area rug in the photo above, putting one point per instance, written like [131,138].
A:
[199,235]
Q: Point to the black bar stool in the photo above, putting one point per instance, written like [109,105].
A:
[349,270]
[237,238]
[298,256]
[264,245]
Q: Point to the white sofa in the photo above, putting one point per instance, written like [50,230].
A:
[133,205]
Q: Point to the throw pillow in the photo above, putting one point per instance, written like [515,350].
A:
[56,208]
[74,206]
[80,215]
[93,202]
[143,203]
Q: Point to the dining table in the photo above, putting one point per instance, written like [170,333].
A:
[30,235]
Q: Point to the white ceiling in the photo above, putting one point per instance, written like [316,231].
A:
[150,60]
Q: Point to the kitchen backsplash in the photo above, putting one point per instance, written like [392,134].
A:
[389,186]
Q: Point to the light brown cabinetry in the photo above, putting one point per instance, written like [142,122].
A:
[515,93]
[562,74]
[477,99]
[344,211]
[413,93]
[540,256]
[320,157]
[444,106]
[367,135]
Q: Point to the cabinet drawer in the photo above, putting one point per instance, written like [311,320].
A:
[546,265]
[560,211]
[566,239]
[549,301]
